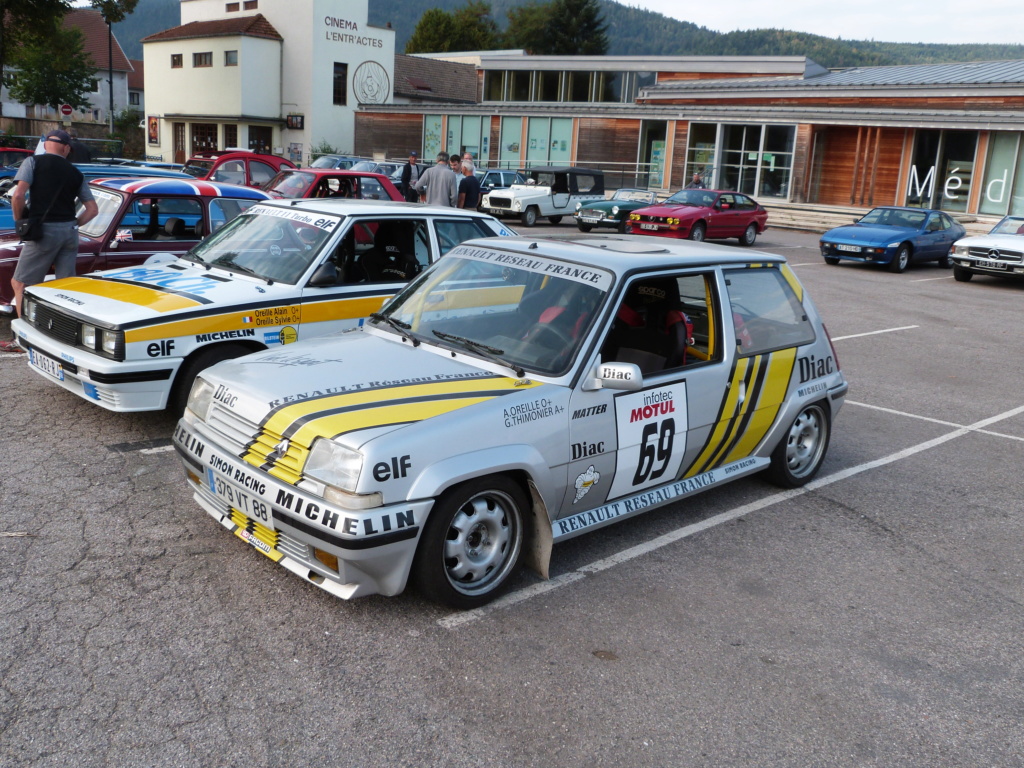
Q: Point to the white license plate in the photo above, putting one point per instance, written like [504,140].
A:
[47,365]
[590,219]
[849,248]
[649,226]
[990,264]
[248,505]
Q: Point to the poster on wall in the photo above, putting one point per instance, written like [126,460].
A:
[153,129]
[657,164]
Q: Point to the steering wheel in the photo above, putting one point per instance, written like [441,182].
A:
[561,337]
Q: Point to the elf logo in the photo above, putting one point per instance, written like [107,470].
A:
[160,349]
[398,467]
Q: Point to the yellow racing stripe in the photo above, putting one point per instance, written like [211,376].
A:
[140,296]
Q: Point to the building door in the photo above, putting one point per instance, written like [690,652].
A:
[651,167]
[204,137]
[178,131]
[261,138]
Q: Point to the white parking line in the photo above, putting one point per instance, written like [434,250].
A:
[161,449]
[460,619]
[874,333]
[926,279]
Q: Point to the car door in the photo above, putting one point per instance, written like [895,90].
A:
[940,232]
[622,442]
[357,286]
[723,220]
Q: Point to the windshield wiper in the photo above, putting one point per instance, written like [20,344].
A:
[491,353]
[242,268]
[398,325]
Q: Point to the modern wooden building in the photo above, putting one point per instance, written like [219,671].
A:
[779,128]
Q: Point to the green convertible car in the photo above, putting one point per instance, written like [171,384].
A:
[614,212]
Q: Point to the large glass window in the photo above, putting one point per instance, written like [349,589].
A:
[493,81]
[549,86]
[431,138]
[579,86]
[609,86]
[1002,175]
[537,147]
[561,140]
[754,159]
[520,85]
[511,135]
[700,155]
[943,169]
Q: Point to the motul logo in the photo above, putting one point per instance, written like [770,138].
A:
[652,410]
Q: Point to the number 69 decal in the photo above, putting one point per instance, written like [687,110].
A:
[649,426]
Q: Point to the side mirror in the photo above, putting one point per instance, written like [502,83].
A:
[624,376]
[856,221]
[325,275]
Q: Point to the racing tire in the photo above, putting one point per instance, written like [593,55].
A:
[901,259]
[529,216]
[831,260]
[800,453]
[961,275]
[584,227]
[554,219]
[697,232]
[178,398]
[472,543]
[749,235]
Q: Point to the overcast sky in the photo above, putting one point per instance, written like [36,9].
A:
[899,21]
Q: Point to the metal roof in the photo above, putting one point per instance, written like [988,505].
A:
[973,73]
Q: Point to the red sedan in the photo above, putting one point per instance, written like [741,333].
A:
[328,182]
[251,169]
[702,214]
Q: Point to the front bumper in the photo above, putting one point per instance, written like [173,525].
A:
[138,385]
[990,267]
[347,553]
[864,254]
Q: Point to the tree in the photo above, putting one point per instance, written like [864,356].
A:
[576,28]
[26,22]
[469,28]
[527,27]
[46,78]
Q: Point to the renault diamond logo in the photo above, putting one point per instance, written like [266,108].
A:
[279,450]
[49,324]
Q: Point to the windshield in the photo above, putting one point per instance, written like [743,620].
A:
[634,195]
[197,168]
[290,184]
[108,204]
[276,244]
[1011,225]
[530,313]
[367,166]
[894,217]
[698,197]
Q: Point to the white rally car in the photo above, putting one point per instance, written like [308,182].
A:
[133,339]
[517,394]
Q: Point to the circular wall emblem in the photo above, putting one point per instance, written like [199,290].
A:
[371,83]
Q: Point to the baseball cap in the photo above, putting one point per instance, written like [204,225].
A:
[414,153]
[61,137]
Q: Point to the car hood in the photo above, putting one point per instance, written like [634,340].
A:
[161,292]
[865,234]
[999,242]
[356,385]
[674,211]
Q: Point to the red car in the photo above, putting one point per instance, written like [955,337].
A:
[138,219]
[10,155]
[702,214]
[250,169]
[327,182]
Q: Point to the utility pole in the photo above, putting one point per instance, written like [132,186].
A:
[110,76]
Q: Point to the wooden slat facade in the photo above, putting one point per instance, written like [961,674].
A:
[607,140]
[392,135]
[852,165]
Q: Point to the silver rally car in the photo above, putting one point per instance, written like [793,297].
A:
[518,393]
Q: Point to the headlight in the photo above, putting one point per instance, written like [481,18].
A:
[29,309]
[199,399]
[893,245]
[615,210]
[960,250]
[578,206]
[333,464]
[517,206]
[89,336]
[108,341]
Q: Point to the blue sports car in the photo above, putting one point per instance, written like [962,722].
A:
[894,237]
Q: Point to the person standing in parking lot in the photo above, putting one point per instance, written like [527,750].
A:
[411,172]
[439,185]
[54,185]
[469,187]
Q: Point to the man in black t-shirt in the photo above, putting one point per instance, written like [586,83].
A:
[55,186]
[469,186]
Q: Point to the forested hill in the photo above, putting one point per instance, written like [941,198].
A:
[633,31]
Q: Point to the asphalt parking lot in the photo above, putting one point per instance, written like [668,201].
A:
[872,618]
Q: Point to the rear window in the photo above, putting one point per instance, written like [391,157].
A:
[766,312]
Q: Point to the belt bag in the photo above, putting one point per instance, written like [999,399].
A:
[29,228]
